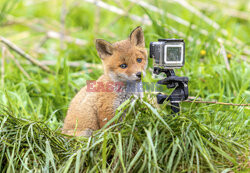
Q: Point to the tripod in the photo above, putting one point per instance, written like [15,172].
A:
[180,92]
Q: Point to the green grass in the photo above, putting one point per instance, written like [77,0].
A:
[146,141]
[203,138]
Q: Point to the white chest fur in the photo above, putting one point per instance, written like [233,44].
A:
[126,92]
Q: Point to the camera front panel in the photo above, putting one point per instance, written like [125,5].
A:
[173,55]
[168,53]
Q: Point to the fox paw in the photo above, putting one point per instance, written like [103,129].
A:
[85,133]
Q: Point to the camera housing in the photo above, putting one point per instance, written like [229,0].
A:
[168,53]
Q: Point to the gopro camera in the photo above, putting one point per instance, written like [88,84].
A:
[168,53]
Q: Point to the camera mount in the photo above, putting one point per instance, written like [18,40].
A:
[180,92]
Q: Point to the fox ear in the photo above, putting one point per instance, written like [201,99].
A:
[103,48]
[137,37]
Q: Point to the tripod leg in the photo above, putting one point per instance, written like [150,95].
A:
[160,98]
[175,107]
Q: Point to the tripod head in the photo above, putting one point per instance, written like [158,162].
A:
[180,84]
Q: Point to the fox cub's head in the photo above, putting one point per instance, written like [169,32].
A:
[125,60]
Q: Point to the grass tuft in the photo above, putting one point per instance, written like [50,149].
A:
[147,140]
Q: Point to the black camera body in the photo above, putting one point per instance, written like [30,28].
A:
[169,54]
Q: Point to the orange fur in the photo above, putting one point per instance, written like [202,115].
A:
[90,111]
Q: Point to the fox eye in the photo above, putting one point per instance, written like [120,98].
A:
[139,60]
[123,66]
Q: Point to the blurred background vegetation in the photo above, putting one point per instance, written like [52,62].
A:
[60,34]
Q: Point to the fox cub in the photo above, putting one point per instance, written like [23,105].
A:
[124,62]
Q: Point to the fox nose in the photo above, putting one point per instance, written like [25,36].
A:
[138,75]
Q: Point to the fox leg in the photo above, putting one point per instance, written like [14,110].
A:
[81,121]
